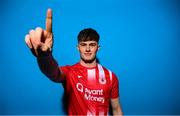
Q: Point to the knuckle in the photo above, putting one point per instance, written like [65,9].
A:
[31,31]
[27,38]
[38,29]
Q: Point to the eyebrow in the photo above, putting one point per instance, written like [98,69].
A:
[83,43]
[92,44]
[88,43]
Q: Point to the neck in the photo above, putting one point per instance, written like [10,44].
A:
[88,64]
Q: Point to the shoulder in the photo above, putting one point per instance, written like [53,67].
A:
[67,68]
[108,71]
[105,68]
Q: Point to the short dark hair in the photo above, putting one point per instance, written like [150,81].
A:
[88,34]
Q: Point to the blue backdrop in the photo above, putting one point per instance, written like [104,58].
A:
[139,42]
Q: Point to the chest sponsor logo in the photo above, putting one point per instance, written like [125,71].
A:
[96,95]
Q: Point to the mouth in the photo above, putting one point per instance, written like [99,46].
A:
[87,54]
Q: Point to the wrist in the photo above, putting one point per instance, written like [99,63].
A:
[44,56]
[39,53]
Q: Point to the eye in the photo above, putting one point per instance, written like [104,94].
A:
[93,44]
[82,44]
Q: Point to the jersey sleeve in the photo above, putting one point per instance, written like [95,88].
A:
[64,70]
[49,67]
[115,87]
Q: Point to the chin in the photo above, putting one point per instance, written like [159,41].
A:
[88,60]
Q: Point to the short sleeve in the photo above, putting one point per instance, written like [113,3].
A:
[115,87]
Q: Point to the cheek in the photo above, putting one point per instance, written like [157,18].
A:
[95,49]
[81,50]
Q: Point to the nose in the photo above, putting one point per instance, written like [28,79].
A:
[88,49]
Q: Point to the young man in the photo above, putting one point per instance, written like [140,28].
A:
[89,87]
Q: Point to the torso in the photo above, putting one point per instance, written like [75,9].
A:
[88,90]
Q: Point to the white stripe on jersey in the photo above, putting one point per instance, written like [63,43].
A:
[90,113]
[91,75]
[101,114]
[102,79]
[110,74]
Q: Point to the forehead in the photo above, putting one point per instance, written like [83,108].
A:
[88,42]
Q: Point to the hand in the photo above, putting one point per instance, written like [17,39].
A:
[39,40]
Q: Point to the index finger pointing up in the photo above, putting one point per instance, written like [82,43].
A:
[49,20]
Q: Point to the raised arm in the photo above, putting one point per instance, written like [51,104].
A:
[40,42]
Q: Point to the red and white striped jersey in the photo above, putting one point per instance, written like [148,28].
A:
[89,90]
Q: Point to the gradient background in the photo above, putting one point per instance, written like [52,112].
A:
[139,42]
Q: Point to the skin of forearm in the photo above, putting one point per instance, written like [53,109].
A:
[117,111]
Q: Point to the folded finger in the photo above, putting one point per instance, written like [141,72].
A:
[38,34]
[33,39]
[28,41]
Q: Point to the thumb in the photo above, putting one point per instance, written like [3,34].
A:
[45,47]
